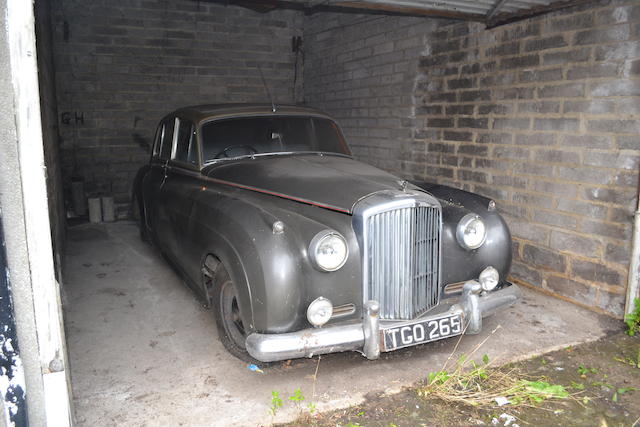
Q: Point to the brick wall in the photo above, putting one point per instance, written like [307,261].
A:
[121,65]
[542,115]
[362,70]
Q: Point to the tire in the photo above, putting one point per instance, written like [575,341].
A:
[224,302]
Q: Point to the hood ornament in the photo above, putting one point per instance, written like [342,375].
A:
[403,185]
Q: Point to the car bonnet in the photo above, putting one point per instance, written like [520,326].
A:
[326,180]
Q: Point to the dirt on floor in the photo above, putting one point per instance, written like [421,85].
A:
[602,378]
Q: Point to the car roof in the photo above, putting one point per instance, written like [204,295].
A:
[200,113]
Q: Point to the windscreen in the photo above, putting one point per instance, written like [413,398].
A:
[258,135]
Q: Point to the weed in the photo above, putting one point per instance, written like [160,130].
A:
[297,396]
[633,319]
[276,401]
[475,384]
[630,360]
[577,386]
[602,384]
[583,370]
[621,391]
[538,391]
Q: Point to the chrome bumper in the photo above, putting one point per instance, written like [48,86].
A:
[365,337]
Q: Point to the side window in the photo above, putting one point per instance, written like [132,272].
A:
[156,141]
[166,138]
[186,147]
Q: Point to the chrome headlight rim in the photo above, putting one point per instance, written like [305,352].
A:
[317,240]
[463,224]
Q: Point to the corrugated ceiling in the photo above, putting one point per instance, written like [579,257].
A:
[492,12]
[473,7]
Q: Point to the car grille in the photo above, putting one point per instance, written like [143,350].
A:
[403,260]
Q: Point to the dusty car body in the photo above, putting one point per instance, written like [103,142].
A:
[302,250]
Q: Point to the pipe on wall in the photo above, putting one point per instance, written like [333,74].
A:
[634,265]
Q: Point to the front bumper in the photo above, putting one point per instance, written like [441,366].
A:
[365,337]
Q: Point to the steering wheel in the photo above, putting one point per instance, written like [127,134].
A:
[245,146]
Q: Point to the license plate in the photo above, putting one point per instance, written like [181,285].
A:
[420,332]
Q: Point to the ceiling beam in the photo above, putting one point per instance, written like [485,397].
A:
[506,18]
[492,18]
[495,8]
[401,9]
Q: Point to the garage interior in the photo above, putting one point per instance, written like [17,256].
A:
[533,103]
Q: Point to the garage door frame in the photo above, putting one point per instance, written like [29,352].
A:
[23,197]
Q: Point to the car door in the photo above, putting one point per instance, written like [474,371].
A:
[179,190]
[155,213]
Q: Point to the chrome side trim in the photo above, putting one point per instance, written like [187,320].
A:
[453,288]
[343,310]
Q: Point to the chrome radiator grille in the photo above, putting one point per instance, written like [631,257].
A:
[403,261]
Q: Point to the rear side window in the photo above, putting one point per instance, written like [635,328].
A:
[156,141]
[166,139]
[186,147]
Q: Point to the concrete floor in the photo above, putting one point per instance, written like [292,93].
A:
[144,352]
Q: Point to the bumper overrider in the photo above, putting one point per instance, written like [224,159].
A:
[366,337]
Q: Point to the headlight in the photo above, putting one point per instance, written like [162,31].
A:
[319,311]
[328,250]
[471,232]
[489,278]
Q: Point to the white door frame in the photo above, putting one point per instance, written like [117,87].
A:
[46,292]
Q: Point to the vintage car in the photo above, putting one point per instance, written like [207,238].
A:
[302,250]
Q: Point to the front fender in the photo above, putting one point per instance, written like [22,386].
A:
[268,269]
[275,280]
[460,264]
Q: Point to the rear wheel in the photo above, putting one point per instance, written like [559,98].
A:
[231,329]
[138,215]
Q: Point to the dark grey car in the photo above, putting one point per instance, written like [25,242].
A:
[302,250]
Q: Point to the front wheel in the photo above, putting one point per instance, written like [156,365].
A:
[231,329]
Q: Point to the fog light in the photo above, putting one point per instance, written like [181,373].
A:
[489,278]
[319,311]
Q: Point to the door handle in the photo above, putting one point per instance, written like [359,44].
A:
[164,178]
